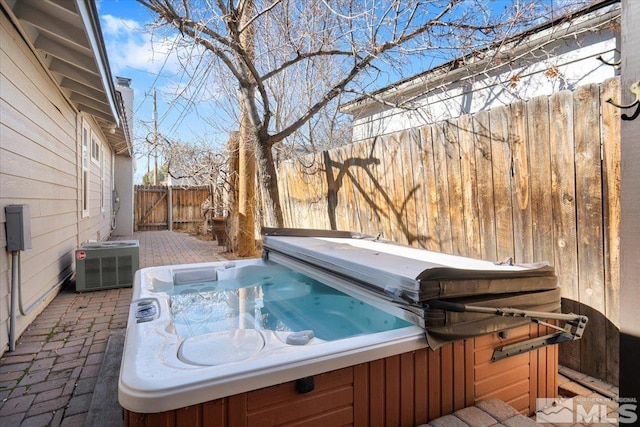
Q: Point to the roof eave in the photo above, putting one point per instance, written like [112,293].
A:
[66,38]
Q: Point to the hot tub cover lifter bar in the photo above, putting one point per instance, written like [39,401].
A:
[573,328]
[451,297]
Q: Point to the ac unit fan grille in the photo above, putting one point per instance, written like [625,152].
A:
[106,266]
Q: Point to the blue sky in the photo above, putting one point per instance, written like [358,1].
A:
[136,54]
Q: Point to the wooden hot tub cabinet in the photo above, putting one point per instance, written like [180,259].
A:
[402,390]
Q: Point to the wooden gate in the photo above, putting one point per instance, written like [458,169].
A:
[150,207]
[159,207]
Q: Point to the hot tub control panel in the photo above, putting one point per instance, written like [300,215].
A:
[145,310]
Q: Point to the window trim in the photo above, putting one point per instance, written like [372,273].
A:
[85,177]
[103,192]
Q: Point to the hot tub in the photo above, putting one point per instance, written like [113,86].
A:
[204,331]
[330,329]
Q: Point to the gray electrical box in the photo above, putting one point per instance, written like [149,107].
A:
[18,227]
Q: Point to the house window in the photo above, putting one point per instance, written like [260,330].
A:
[95,149]
[85,170]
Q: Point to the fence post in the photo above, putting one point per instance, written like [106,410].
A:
[169,208]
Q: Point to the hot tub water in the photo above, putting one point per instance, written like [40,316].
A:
[277,299]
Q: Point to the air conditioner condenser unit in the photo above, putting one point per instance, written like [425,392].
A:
[106,265]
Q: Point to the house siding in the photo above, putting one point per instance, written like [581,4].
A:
[40,160]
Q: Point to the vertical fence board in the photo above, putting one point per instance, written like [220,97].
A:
[563,202]
[468,174]
[297,192]
[344,186]
[355,223]
[340,173]
[413,161]
[520,199]
[396,192]
[351,190]
[442,192]
[318,193]
[456,204]
[611,220]
[432,240]
[420,193]
[369,184]
[306,189]
[388,159]
[321,195]
[540,181]
[380,189]
[589,226]
[502,171]
[483,158]
[563,192]
[362,175]
[589,198]
[410,227]
[611,197]
[406,185]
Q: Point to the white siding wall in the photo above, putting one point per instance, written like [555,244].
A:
[40,155]
[574,60]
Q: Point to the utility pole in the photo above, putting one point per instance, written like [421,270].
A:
[155,140]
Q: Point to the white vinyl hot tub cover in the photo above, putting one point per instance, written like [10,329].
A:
[415,276]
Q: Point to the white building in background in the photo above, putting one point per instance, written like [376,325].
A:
[558,55]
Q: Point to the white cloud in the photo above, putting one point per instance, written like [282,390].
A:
[131,46]
[114,26]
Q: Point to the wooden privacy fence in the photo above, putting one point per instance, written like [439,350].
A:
[160,207]
[532,181]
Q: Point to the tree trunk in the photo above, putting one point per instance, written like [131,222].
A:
[247,160]
[246,191]
[268,181]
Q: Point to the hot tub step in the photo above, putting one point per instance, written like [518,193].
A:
[485,413]
[105,411]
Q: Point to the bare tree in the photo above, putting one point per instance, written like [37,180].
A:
[342,46]
[195,164]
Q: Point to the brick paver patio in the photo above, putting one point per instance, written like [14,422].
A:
[50,377]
